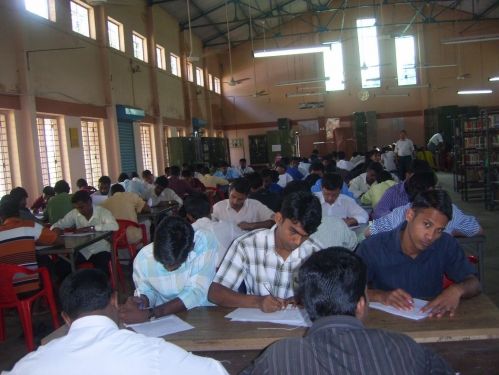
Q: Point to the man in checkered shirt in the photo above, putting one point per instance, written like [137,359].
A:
[267,259]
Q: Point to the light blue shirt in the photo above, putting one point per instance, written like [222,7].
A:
[230,175]
[189,282]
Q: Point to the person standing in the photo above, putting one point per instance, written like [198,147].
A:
[435,144]
[404,148]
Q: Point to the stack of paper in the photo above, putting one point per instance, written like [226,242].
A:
[291,316]
[414,314]
[166,325]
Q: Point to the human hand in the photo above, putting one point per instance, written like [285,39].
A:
[245,225]
[397,298]
[131,311]
[350,221]
[270,304]
[445,302]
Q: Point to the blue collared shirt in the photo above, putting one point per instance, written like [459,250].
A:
[295,173]
[388,268]
[394,197]
[463,224]
[231,174]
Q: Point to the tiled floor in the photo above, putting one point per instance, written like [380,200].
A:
[13,348]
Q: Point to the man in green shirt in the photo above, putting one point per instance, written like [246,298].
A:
[60,204]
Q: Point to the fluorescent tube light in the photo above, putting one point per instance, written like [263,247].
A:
[302,82]
[389,95]
[289,51]
[298,94]
[494,79]
[474,92]
[471,39]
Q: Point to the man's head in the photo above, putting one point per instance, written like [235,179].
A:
[117,188]
[20,195]
[299,217]
[242,163]
[238,193]
[420,182]
[123,177]
[255,181]
[160,184]
[87,292]
[173,240]
[186,174]
[316,168]
[148,177]
[333,282]
[427,218]
[268,177]
[280,167]
[374,156]
[415,166]
[341,155]
[48,192]
[295,161]
[403,134]
[384,176]
[83,203]
[80,183]
[372,172]
[104,185]
[331,186]
[62,186]
[223,166]
[9,207]
[174,170]
[196,207]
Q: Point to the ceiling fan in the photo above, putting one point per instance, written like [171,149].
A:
[232,82]
[256,93]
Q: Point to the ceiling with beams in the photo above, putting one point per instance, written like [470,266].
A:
[210,19]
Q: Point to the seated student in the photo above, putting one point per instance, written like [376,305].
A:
[160,195]
[266,259]
[173,273]
[361,184]
[339,205]
[388,159]
[147,180]
[270,179]
[411,260]
[88,218]
[194,182]
[60,204]
[20,195]
[18,238]
[338,342]
[293,170]
[284,176]
[197,209]
[247,213]
[459,225]
[342,163]
[384,181]
[125,206]
[211,181]
[243,169]
[96,345]
[104,186]
[179,186]
[41,202]
[257,191]
[82,184]
[226,172]
[397,195]
[315,172]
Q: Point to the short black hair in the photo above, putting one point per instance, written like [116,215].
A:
[18,193]
[316,166]
[48,190]
[197,206]
[418,165]
[175,170]
[437,199]
[186,173]
[331,282]
[134,174]
[173,240]
[332,181]
[376,167]
[81,196]
[240,185]
[85,291]
[341,155]
[254,179]
[62,186]
[81,182]
[295,185]
[242,159]
[161,181]
[105,180]
[419,182]
[117,188]
[9,206]
[146,173]
[303,207]
[384,176]
[123,176]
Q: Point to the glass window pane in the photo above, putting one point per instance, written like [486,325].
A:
[91,151]
[333,67]
[80,19]
[5,175]
[368,52]
[138,47]
[113,31]
[406,60]
[50,152]
[38,7]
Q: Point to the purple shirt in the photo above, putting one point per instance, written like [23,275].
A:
[394,197]
[180,187]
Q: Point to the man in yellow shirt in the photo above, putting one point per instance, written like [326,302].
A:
[376,191]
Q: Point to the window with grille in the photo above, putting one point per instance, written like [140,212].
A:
[190,74]
[216,83]
[115,34]
[406,60]
[368,52]
[165,144]
[50,150]
[80,18]
[160,57]
[42,8]
[146,145]
[333,67]
[91,151]
[210,82]
[175,65]
[139,46]
[199,77]
[5,175]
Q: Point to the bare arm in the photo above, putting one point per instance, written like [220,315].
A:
[397,298]
[256,225]
[136,309]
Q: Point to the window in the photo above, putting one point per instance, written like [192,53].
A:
[5,175]
[406,60]
[50,150]
[368,52]
[42,8]
[333,67]
[160,57]
[80,18]
[139,46]
[146,145]
[199,77]
[175,65]
[91,151]
[216,83]
[190,75]
[210,82]
[115,34]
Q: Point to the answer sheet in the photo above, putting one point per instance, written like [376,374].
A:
[291,315]
[414,313]
[166,325]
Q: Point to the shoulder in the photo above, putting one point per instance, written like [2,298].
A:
[145,253]
[102,211]
[204,240]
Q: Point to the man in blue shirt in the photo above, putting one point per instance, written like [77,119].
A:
[292,169]
[411,260]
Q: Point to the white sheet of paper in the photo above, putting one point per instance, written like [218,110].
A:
[414,314]
[291,315]
[161,327]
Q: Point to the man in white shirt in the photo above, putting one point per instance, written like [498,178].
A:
[197,209]
[284,177]
[339,205]
[362,183]
[161,195]
[342,163]
[404,149]
[86,218]
[435,141]
[244,169]
[95,345]
[246,213]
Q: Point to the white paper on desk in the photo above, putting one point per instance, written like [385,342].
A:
[291,315]
[161,327]
[414,314]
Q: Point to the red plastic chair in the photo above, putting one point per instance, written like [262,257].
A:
[9,298]
[447,282]
[120,241]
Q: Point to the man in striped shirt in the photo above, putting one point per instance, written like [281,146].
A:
[337,342]
[266,259]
